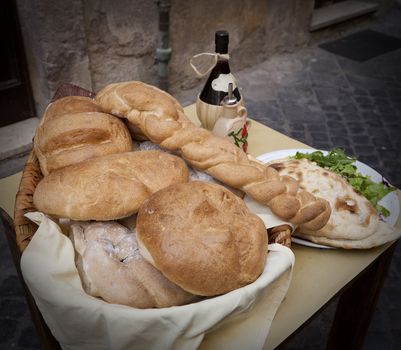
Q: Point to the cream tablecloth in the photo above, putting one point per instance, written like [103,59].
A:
[237,320]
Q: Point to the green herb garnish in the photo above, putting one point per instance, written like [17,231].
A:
[337,161]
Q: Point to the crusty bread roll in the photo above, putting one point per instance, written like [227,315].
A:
[107,187]
[111,267]
[160,118]
[74,129]
[202,237]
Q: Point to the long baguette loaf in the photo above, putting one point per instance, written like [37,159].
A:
[108,187]
[159,117]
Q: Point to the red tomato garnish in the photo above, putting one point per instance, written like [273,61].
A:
[244,132]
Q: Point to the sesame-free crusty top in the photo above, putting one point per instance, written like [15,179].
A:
[202,237]
[107,187]
[74,129]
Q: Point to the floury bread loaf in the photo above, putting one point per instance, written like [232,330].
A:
[111,267]
[159,117]
[74,129]
[107,187]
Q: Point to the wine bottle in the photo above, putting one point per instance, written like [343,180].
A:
[215,88]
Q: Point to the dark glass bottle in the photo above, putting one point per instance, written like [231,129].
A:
[216,85]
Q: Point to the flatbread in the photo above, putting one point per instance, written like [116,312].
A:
[354,222]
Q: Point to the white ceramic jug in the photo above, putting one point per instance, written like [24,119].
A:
[233,123]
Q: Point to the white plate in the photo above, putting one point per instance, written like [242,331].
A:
[390,201]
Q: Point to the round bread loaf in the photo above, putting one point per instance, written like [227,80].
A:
[111,267]
[107,187]
[202,237]
[74,129]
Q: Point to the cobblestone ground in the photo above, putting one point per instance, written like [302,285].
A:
[329,101]
[320,99]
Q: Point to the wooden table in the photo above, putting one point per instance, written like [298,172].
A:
[319,274]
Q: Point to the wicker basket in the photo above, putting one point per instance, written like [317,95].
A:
[31,175]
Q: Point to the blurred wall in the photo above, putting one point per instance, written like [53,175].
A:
[257,29]
[95,42]
[89,43]
[55,46]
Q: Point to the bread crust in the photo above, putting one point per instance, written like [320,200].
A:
[202,237]
[108,187]
[160,118]
[354,222]
[74,129]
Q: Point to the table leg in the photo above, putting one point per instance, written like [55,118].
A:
[357,304]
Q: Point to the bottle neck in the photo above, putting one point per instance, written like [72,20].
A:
[222,66]
[222,59]
[222,56]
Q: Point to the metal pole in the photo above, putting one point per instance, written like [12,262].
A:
[163,51]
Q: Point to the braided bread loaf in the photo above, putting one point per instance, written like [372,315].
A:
[155,115]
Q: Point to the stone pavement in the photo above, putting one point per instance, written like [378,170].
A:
[329,101]
[320,99]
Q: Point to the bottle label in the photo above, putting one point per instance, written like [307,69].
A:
[222,81]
